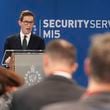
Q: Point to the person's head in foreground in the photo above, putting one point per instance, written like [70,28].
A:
[97,64]
[60,55]
[9,81]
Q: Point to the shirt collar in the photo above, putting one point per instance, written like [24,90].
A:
[64,74]
[22,35]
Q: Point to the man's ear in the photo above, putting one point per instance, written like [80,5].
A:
[45,60]
[46,65]
[19,22]
[75,67]
[87,67]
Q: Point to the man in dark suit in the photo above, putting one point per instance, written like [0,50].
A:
[25,40]
[97,66]
[59,62]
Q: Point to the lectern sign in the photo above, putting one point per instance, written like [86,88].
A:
[33,76]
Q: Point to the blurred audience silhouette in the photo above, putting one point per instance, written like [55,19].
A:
[97,67]
[9,82]
[59,64]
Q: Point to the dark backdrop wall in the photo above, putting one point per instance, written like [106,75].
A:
[73,20]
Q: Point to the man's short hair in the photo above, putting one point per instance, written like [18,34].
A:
[26,13]
[61,50]
[100,57]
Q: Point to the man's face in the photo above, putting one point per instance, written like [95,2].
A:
[26,24]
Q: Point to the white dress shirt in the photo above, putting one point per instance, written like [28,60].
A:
[22,37]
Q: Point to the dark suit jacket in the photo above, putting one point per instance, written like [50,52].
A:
[52,89]
[14,43]
[99,101]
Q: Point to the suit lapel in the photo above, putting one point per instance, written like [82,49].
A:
[31,43]
[18,41]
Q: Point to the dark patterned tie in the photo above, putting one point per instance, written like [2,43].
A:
[24,43]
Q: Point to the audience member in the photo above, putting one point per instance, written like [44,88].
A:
[97,66]
[9,82]
[59,63]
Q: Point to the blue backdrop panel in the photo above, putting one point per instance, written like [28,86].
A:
[91,16]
